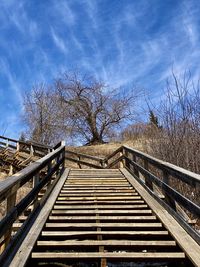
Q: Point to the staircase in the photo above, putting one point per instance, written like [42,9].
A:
[126,210]
[100,218]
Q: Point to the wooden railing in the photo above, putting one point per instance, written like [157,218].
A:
[29,147]
[84,160]
[43,174]
[177,189]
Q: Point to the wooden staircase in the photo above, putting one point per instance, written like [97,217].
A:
[15,155]
[100,218]
[129,216]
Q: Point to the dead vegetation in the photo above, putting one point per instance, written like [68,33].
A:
[104,150]
[2,176]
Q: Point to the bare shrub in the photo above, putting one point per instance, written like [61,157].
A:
[178,141]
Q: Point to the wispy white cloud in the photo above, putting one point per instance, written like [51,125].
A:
[59,42]
[64,12]
[14,86]
[14,13]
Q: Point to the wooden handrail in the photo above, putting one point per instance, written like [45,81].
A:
[189,205]
[84,155]
[51,165]
[84,163]
[80,160]
[36,144]
[159,182]
[114,153]
[178,172]
[20,178]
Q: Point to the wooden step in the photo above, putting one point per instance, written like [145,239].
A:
[135,243]
[100,198]
[99,202]
[79,212]
[98,214]
[78,207]
[94,186]
[104,225]
[114,233]
[97,191]
[101,217]
[63,194]
[80,190]
[99,255]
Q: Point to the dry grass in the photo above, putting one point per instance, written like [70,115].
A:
[106,149]
[3,175]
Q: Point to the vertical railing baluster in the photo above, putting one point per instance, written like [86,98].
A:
[135,170]
[148,182]
[11,201]
[36,180]
[127,163]
[121,163]
[169,200]
[31,150]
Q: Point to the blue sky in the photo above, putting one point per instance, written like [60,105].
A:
[123,42]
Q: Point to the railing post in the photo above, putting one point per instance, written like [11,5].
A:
[63,155]
[78,163]
[11,200]
[126,162]
[104,163]
[121,163]
[169,200]
[10,170]
[31,150]
[49,166]
[63,164]
[17,146]
[36,180]
[148,182]
[135,170]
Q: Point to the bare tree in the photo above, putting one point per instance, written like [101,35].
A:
[92,110]
[42,115]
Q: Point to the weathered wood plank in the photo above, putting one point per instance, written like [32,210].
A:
[96,194]
[146,243]
[74,207]
[101,211]
[99,202]
[100,198]
[99,255]
[69,186]
[116,233]
[97,190]
[131,225]
[104,218]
